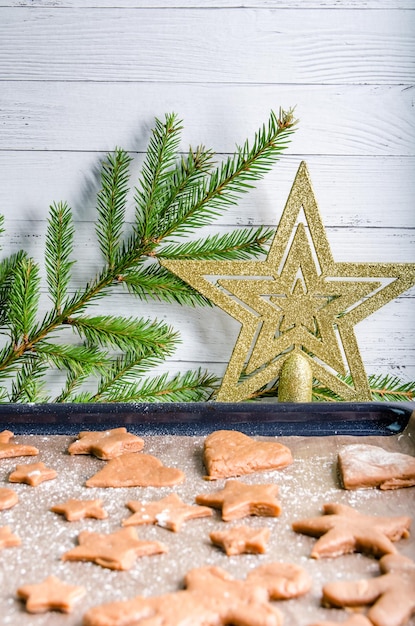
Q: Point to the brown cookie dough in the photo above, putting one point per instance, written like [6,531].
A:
[106,444]
[241,540]
[229,453]
[353,620]
[238,500]
[117,550]
[136,470]
[74,510]
[32,474]
[342,530]
[169,512]
[8,450]
[362,466]
[211,598]
[8,498]
[50,595]
[7,539]
[391,595]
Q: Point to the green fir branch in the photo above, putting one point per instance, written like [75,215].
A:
[58,249]
[193,386]
[111,203]
[29,384]
[175,196]
[126,333]
[23,299]
[236,245]
[156,283]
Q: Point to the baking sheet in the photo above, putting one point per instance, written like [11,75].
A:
[303,487]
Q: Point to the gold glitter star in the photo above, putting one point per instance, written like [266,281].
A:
[296,301]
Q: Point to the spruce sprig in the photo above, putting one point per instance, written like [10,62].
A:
[175,195]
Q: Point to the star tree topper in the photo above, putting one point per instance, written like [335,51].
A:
[296,301]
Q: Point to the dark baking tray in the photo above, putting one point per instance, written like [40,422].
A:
[200,418]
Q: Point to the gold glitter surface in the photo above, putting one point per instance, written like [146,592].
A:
[296,301]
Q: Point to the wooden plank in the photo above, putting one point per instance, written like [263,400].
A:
[334,120]
[217,4]
[350,191]
[287,46]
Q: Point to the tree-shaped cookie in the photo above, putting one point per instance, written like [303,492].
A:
[342,530]
[391,595]
[211,598]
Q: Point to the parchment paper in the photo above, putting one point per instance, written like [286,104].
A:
[303,487]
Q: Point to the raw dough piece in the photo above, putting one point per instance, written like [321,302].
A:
[229,453]
[50,595]
[363,466]
[117,550]
[135,470]
[106,444]
[8,450]
[238,500]
[241,540]
[392,595]
[211,598]
[169,512]
[32,473]
[342,530]
[8,498]
[74,510]
[7,539]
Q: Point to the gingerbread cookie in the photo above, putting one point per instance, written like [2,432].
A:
[169,512]
[7,539]
[8,450]
[342,530]
[211,598]
[391,596]
[238,500]
[74,510]
[8,498]
[362,466]
[229,453]
[106,444]
[32,473]
[135,470]
[241,540]
[50,595]
[117,550]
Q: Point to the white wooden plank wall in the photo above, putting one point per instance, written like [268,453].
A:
[78,78]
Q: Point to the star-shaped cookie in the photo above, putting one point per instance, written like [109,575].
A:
[106,444]
[8,450]
[391,595]
[74,510]
[7,539]
[241,540]
[342,530]
[117,550]
[228,453]
[50,595]
[32,473]
[135,470]
[169,512]
[8,498]
[238,500]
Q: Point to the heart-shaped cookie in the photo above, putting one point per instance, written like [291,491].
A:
[135,470]
[229,453]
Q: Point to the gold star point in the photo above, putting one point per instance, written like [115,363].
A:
[296,301]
